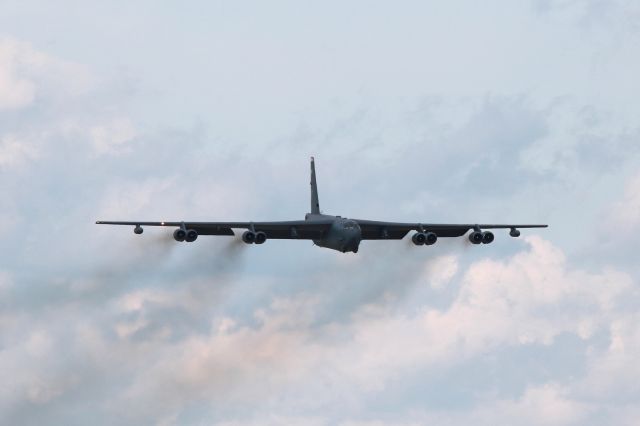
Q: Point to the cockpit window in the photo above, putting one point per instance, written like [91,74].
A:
[350,224]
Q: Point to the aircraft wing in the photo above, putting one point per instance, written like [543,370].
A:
[293,229]
[374,230]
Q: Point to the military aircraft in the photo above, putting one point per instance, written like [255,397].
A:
[332,232]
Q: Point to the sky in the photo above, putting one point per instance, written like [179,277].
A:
[501,111]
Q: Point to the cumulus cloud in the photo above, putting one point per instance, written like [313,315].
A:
[523,301]
[26,73]
[14,93]
[440,270]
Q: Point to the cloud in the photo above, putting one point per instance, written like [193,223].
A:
[440,270]
[26,73]
[625,214]
[594,13]
[526,300]
[112,137]
[14,92]
[14,152]
[97,323]
[544,405]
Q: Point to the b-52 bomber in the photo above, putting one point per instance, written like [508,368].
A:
[332,232]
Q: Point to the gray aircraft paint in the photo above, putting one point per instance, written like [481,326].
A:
[333,232]
[344,234]
[315,202]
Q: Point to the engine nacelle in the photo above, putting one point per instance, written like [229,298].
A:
[191,236]
[419,238]
[138,230]
[179,234]
[249,237]
[514,233]
[430,238]
[487,237]
[475,237]
[261,237]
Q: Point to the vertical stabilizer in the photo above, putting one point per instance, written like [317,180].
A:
[315,204]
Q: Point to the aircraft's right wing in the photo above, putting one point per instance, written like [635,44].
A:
[376,230]
[293,229]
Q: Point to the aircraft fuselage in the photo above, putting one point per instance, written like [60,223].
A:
[344,235]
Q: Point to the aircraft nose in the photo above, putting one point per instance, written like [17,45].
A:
[354,239]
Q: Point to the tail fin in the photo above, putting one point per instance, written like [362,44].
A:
[315,204]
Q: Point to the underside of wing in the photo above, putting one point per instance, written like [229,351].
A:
[295,230]
[372,230]
[375,230]
[397,231]
[211,230]
[448,231]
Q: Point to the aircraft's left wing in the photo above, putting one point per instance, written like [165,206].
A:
[375,230]
[294,229]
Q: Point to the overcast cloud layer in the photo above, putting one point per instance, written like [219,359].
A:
[495,112]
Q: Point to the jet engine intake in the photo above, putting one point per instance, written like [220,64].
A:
[475,237]
[138,230]
[191,236]
[261,237]
[179,234]
[514,233]
[430,238]
[249,237]
[419,238]
[487,237]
